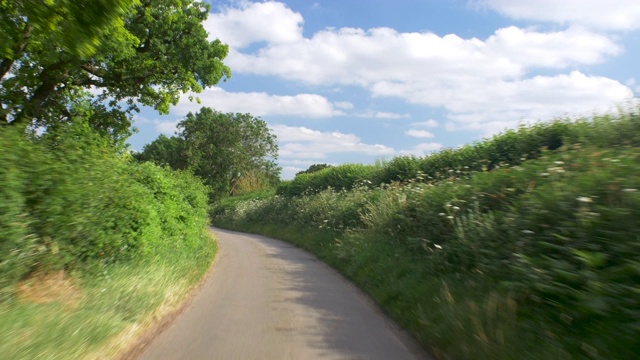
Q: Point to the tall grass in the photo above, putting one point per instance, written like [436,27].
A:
[504,257]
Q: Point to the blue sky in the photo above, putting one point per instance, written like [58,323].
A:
[359,81]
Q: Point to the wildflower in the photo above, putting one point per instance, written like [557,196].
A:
[528,232]
[544,174]
[592,214]
[438,246]
[455,208]
[584,199]
[559,162]
[450,217]
[629,190]
[442,214]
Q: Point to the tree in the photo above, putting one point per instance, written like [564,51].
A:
[135,52]
[165,151]
[220,148]
[314,168]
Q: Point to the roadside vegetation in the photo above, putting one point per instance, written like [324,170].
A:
[95,245]
[92,243]
[522,246]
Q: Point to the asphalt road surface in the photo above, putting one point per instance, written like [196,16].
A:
[266,299]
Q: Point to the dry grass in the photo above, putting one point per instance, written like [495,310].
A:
[47,287]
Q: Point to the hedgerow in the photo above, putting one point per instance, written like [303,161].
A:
[509,148]
[68,202]
[534,257]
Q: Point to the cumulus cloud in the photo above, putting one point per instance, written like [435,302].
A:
[304,143]
[382,115]
[256,22]
[468,77]
[356,56]
[539,97]
[419,133]
[428,123]
[476,81]
[260,104]
[598,14]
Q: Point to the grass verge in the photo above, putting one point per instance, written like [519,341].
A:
[99,314]
[535,261]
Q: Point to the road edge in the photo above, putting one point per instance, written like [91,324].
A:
[163,321]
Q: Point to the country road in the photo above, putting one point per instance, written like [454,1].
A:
[266,299]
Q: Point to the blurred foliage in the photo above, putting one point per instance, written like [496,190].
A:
[126,52]
[525,253]
[340,177]
[506,149]
[314,168]
[69,202]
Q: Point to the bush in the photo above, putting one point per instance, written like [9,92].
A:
[340,177]
[69,202]
[550,236]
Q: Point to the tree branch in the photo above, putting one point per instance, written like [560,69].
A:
[50,77]
[6,63]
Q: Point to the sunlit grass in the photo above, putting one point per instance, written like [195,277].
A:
[114,308]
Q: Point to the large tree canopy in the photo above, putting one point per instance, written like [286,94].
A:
[56,53]
[220,148]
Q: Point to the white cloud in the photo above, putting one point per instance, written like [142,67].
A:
[429,123]
[419,133]
[305,143]
[488,80]
[560,49]
[422,149]
[539,97]
[266,21]
[166,127]
[382,115]
[343,105]
[599,14]
[260,104]
[356,56]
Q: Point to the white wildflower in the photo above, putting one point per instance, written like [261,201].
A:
[584,199]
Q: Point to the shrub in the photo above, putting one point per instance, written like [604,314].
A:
[70,202]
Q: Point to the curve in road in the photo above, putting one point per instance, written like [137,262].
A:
[267,299]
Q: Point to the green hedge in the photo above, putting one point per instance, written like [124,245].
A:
[343,177]
[67,201]
[506,149]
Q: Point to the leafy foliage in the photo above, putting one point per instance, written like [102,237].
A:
[149,53]
[314,168]
[70,203]
[229,152]
[339,177]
